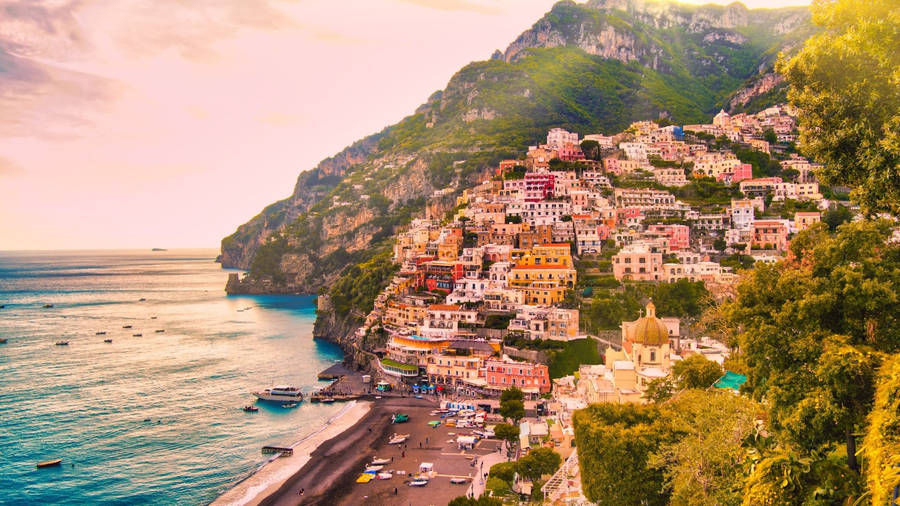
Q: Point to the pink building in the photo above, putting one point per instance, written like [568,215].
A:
[770,234]
[679,235]
[538,186]
[637,262]
[740,173]
[570,152]
[628,216]
[528,377]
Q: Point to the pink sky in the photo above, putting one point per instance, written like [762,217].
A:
[167,123]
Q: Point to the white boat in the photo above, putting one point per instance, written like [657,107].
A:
[374,468]
[418,482]
[381,462]
[458,481]
[280,393]
[398,438]
[384,476]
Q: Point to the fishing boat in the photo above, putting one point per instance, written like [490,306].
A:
[49,463]
[62,343]
[107,340]
[48,306]
[137,335]
[398,439]
[126,326]
[250,409]
[280,393]
[418,482]
[101,333]
[141,299]
[160,331]
[458,481]
[381,462]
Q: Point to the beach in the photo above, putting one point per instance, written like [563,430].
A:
[279,470]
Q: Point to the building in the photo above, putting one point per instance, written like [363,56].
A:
[769,234]
[558,137]
[532,379]
[560,275]
[637,262]
[804,220]
[679,236]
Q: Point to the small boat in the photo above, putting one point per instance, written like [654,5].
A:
[107,340]
[400,418]
[434,424]
[418,482]
[374,468]
[141,299]
[250,409]
[62,343]
[327,400]
[381,462]
[289,405]
[384,476]
[458,481]
[2,306]
[398,438]
[48,306]
[365,478]
[3,340]
[101,333]
[160,331]
[126,326]
[137,335]
[152,317]
[49,463]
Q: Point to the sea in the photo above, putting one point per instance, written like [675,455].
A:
[154,419]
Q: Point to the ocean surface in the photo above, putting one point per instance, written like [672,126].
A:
[155,419]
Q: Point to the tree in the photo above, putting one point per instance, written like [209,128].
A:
[660,389]
[512,410]
[770,136]
[537,463]
[506,471]
[591,149]
[844,81]
[705,464]
[696,371]
[720,244]
[481,501]
[812,330]
[507,432]
[512,393]
[881,446]
[836,215]
[614,443]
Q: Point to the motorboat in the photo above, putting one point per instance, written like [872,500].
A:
[381,462]
[101,333]
[398,439]
[152,317]
[289,405]
[458,481]
[4,340]
[400,418]
[137,335]
[280,393]
[418,482]
[250,409]
[49,463]
[141,299]
[48,306]
[374,468]
[160,331]
[62,343]
[107,340]
[126,326]
[384,476]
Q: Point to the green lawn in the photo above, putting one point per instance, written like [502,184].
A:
[575,353]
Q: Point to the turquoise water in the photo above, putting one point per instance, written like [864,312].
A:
[145,420]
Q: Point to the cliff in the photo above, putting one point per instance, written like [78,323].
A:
[589,68]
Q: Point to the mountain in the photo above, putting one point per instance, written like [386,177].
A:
[593,67]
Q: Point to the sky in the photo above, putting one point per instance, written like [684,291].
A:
[168,123]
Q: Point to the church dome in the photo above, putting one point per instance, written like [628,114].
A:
[650,330]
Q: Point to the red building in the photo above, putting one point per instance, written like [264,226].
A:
[440,276]
[530,378]
[570,152]
[679,235]
[740,173]
[539,186]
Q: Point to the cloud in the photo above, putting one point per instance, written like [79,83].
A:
[456,5]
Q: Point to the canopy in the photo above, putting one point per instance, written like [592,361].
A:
[731,380]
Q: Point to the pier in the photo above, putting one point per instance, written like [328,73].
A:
[283,450]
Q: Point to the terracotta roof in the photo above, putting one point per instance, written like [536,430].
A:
[444,307]
[543,267]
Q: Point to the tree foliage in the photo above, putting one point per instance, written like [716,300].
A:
[507,432]
[846,81]
[537,463]
[881,446]
[481,501]
[696,371]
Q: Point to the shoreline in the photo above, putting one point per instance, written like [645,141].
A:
[275,472]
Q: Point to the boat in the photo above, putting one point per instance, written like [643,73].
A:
[398,438]
[101,333]
[365,478]
[289,405]
[250,409]
[126,326]
[384,476]
[458,481]
[48,305]
[49,463]
[434,424]
[142,299]
[137,335]
[152,317]
[280,393]
[62,343]
[327,400]
[4,340]
[107,340]
[159,249]
[374,468]
[160,331]
[418,482]
[400,418]
[381,462]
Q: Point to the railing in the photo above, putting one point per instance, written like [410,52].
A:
[558,484]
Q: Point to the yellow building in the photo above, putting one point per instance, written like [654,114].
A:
[404,315]
[645,355]
[544,293]
[524,275]
[548,254]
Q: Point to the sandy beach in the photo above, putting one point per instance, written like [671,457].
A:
[279,470]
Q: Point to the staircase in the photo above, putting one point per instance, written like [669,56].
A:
[558,484]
